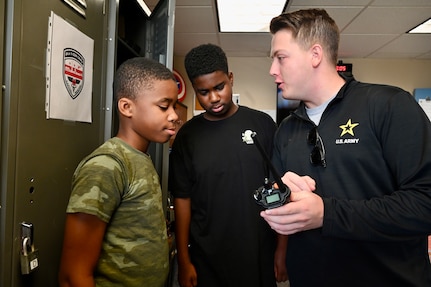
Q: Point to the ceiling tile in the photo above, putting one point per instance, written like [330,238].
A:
[387,21]
[258,44]
[195,20]
[184,42]
[360,46]
[401,3]
[369,28]
[409,44]
[194,3]
[318,3]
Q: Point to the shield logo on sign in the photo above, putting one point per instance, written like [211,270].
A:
[73,71]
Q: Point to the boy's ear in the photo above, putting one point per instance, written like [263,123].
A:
[125,107]
[230,75]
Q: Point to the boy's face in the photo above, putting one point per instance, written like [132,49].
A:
[154,115]
[214,93]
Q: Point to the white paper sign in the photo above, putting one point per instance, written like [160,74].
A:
[426,106]
[69,72]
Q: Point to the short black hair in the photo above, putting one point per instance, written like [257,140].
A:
[137,73]
[205,59]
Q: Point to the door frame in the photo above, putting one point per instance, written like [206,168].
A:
[7,144]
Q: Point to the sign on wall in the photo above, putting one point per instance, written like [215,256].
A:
[69,72]
[181,86]
[423,97]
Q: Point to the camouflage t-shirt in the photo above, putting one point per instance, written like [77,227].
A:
[119,184]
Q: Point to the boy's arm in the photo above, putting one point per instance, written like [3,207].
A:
[81,249]
[187,273]
[280,259]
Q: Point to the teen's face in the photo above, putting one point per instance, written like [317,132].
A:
[214,93]
[154,116]
[291,66]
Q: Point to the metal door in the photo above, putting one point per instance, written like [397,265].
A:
[38,156]
[2,223]
[160,47]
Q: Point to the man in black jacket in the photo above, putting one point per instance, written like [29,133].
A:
[362,214]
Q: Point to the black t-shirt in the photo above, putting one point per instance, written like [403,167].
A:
[231,245]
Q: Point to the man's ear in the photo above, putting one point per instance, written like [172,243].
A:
[125,107]
[317,54]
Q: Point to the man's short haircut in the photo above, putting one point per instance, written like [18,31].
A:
[309,27]
[205,59]
[138,73]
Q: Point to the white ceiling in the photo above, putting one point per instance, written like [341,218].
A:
[369,28]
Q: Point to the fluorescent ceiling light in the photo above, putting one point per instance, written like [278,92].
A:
[425,27]
[247,15]
[144,7]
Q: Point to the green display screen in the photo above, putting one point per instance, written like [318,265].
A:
[272,198]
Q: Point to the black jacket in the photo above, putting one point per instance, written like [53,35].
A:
[376,190]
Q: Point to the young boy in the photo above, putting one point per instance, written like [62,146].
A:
[213,175]
[115,232]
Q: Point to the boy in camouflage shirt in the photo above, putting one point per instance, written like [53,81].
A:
[115,232]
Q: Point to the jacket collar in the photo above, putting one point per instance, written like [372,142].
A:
[302,113]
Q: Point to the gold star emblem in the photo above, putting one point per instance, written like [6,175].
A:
[348,128]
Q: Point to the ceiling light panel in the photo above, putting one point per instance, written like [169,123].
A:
[422,28]
[247,15]
[144,7]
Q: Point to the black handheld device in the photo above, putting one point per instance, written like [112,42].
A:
[266,195]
